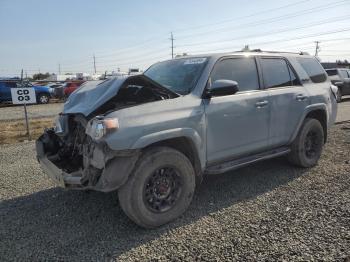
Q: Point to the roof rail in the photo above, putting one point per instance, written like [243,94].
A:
[275,52]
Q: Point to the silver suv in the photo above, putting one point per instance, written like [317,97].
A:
[341,78]
[153,136]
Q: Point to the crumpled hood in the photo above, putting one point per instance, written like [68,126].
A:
[91,95]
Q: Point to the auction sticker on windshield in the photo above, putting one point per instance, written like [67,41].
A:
[195,61]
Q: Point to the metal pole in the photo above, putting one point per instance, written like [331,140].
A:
[94,63]
[317,49]
[27,122]
[172,45]
[25,110]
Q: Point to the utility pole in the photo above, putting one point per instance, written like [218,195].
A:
[59,68]
[94,63]
[317,49]
[172,44]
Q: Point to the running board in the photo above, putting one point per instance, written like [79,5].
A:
[237,163]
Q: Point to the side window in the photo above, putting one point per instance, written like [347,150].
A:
[242,70]
[295,81]
[313,68]
[276,73]
[343,73]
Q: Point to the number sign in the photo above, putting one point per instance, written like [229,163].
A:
[25,95]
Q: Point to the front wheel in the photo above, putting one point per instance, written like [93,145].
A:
[43,99]
[307,146]
[160,188]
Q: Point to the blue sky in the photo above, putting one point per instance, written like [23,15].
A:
[40,34]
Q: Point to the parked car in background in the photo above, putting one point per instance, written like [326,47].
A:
[70,87]
[57,90]
[341,78]
[43,93]
[153,136]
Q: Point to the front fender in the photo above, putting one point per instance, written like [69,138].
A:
[189,133]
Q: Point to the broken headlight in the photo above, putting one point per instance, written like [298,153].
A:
[99,127]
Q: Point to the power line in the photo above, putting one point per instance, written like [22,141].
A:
[271,32]
[281,40]
[152,40]
[273,19]
[241,17]
[157,51]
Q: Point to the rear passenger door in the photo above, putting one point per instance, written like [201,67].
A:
[287,98]
[237,124]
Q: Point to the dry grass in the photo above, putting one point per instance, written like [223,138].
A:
[15,131]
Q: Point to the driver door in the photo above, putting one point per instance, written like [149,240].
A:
[238,124]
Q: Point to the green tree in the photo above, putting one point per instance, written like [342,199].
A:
[41,76]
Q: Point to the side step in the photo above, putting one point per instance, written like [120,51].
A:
[237,163]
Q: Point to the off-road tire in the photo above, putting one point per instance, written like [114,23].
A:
[299,153]
[131,194]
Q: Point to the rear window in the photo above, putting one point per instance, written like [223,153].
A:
[332,72]
[313,68]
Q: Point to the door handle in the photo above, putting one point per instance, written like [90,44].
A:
[301,97]
[261,104]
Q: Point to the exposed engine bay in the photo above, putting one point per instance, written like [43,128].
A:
[76,153]
[135,90]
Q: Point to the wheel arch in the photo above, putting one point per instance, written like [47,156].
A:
[185,140]
[319,112]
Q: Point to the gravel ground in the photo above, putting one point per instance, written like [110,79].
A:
[268,211]
[344,110]
[34,111]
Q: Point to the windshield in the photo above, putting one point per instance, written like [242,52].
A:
[178,75]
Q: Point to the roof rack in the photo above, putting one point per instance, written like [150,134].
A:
[275,52]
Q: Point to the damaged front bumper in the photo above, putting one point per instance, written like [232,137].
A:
[103,170]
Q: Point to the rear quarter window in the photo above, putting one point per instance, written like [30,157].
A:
[343,74]
[332,72]
[313,68]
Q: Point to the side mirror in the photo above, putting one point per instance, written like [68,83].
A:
[222,87]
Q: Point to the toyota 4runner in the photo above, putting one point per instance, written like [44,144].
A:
[153,136]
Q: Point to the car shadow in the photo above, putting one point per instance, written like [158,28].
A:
[75,225]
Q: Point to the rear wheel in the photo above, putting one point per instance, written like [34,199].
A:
[43,99]
[307,146]
[160,188]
